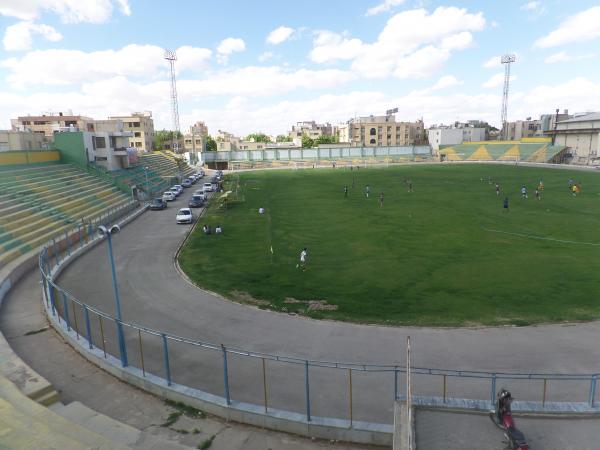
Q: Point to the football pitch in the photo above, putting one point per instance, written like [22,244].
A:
[445,254]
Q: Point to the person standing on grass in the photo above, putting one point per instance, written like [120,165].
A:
[523,192]
[367,190]
[537,194]
[497,189]
[505,204]
[381,200]
[303,258]
[410,189]
[345,191]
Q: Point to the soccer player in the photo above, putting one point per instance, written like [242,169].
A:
[303,258]
[497,189]
[541,185]
[523,192]
[345,191]
[537,194]
[367,190]
[505,204]
[381,200]
[410,189]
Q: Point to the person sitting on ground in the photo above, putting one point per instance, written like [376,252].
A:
[218,229]
[261,210]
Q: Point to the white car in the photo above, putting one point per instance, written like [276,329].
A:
[168,196]
[179,186]
[200,194]
[184,215]
[207,187]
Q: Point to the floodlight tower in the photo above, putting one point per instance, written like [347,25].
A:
[506,60]
[171,56]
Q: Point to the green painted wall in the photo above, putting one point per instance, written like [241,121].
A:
[71,148]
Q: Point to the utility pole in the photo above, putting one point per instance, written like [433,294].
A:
[507,60]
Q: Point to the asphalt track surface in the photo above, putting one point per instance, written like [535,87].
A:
[154,295]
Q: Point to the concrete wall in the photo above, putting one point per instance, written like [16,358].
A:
[14,158]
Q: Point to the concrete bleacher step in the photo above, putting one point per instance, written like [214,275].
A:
[111,429]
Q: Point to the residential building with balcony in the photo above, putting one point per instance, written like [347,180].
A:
[47,125]
[141,125]
[108,149]
[195,140]
[311,129]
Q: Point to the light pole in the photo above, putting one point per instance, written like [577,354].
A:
[147,187]
[108,232]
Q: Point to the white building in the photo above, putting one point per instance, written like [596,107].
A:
[581,135]
[454,135]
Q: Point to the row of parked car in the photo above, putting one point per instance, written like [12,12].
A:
[184,215]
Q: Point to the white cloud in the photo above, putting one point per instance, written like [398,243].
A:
[19,37]
[580,27]
[445,82]
[265,56]
[497,80]
[408,38]
[229,46]
[65,67]
[279,35]
[492,63]
[69,11]
[383,7]
[531,6]
[566,57]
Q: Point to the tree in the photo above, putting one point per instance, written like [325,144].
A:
[326,139]
[211,145]
[258,137]
[283,138]
[162,136]
[307,142]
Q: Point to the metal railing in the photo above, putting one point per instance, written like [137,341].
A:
[347,391]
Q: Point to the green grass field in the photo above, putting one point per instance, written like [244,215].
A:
[446,254]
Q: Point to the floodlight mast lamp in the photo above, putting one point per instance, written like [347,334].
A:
[507,60]
[171,56]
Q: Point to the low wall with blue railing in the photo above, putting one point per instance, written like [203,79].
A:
[328,399]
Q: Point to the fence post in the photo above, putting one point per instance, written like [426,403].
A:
[307,389]
[544,393]
[141,353]
[66,310]
[592,391]
[88,327]
[67,243]
[45,290]
[52,300]
[264,372]
[80,230]
[225,375]
[493,390]
[166,358]
[90,232]
[350,395]
[445,376]
[395,383]
[55,251]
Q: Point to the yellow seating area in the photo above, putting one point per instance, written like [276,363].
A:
[539,152]
[40,202]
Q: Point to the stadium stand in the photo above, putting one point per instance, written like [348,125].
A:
[540,152]
[37,203]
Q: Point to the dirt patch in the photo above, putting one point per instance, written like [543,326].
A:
[244,297]
[313,305]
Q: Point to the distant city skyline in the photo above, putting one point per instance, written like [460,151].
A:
[265,65]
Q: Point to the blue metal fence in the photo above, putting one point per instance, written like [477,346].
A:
[164,351]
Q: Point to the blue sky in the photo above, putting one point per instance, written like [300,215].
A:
[264,65]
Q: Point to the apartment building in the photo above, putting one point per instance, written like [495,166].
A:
[141,125]
[47,125]
[108,149]
[195,139]
[21,140]
[381,131]
[581,134]
[311,129]
[455,134]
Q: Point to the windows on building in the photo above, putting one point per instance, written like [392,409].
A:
[137,134]
[373,132]
[372,141]
[99,142]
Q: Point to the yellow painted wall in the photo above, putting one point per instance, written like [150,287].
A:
[24,157]
[536,139]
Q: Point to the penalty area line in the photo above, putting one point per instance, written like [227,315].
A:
[540,238]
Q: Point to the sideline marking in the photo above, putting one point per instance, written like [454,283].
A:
[541,238]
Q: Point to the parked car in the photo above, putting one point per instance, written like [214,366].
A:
[201,194]
[186,183]
[193,179]
[176,192]
[179,186]
[169,196]
[157,204]
[207,187]
[196,201]
[184,215]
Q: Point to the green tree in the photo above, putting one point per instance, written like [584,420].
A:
[162,136]
[307,142]
[283,138]
[211,144]
[325,139]
[258,137]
